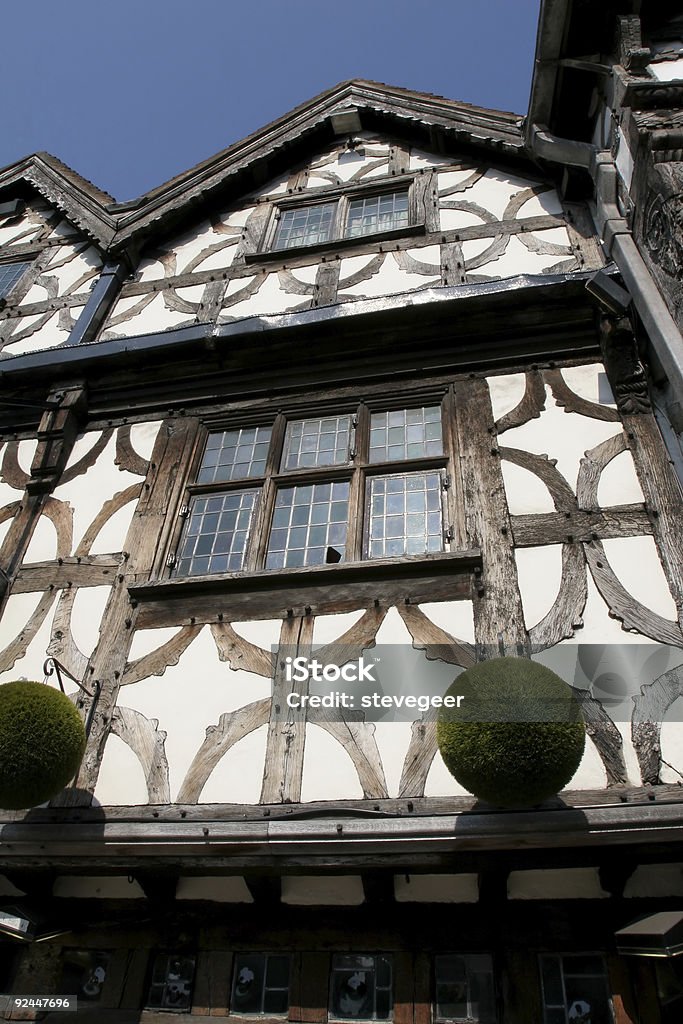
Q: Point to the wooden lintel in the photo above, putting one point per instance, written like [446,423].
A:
[89,571]
[563,527]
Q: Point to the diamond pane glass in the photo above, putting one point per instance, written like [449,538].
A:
[9,275]
[377,213]
[215,537]
[307,225]
[317,442]
[405,434]
[405,515]
[235,455]
[306,521]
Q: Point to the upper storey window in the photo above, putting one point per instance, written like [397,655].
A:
[346,217]
[346,485]
[10,273]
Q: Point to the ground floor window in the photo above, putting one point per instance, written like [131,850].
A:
[260,983]
[575,990]
[465,988]
[171,982]
[361,987]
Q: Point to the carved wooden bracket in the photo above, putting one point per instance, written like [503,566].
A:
[57,433]
[624,368]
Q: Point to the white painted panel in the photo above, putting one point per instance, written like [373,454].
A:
[599,627]
[238,777]
[539,571]
[475,246]
[353,264]
[27,450]
[671,739]
[63,230]
[624,159]
[393,739]
[218,889]
[440,782]
[390,280]
[306,275]
[329,773]
[562,436]
[151,270]
[88,492]
[525,492]
[449,179]
[238,218]
[16,615]
[50,335]
[667,71]
[430,255]
[102,887]
[11,232]
[456,617]
[191,244]
[143,437]
[650,881]
[78,266]
[191,293]
[271,298]
[219,260]
[436,888]
[619,484]
[328,628]
[636,565]
[264,633]
[8,493]
[121,780]
[451,220]
[589,382]
[517,259]
[154,317]
[591,772]
[419,158]
[274,188]
[506,391]
[113,534]
[494,190]
[147,640]
[557,884]
[86,619]
[43,544]
[4,530]
[191,696]
[322,890]
[542,205]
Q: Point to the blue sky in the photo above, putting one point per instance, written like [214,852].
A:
[130,93]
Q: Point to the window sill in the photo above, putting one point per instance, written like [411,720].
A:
[334,245]
[321,589]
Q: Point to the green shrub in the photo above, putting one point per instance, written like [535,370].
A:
[42,740]
[518,736]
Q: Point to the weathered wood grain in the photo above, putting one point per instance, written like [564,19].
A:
[591,467]
[418,760]
[241,653]
[649,711]
[147,742]
[358,740]
[556,527]
[546,470]
[571,402]
[566,612]
[437,644]
[156,662]
[531,405]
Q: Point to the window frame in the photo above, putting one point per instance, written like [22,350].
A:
[342,196]
[155,956]
[358,470]
[16,288]
[374,1019]
[442,1019]
[262,1013]
[561,957]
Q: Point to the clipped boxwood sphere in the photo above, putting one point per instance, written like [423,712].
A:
[42,740]
[518,736]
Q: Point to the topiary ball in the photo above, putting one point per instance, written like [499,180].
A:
[518,736]
[42,740]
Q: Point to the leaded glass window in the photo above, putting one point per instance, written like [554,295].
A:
[9,275]
[215,537]
[305,225]
[306,521]
[361,987]
[317,442]
[405,434]
[377,213]
[260,983]
[171,984]
[405,515]
[235,455]
[465,988]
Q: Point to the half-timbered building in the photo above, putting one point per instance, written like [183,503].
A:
[393,373]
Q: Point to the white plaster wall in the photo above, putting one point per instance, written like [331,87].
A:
[636,565]
[322,890]
[72,267]
[556,884]
[50,335]
[191,696]
[667,71]
[517,259]
[506,391]
[389,280]
[218,889]
[419,159]
[103,887]
[539,572]
[436,888]
[271,298]
[143,437]
[328,628]
[87,617]
[329,772]
[15,617]
[238,777]
[671,741]
[451,220]
[121,781]
[155,316]
[263,632]
[88,492]
[526,493]
[8,493]
[455,617]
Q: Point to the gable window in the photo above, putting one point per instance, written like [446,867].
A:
[10,273]
[348,216]
[260,983]
[464,988]
[361,987]
[575,989]
[347,485]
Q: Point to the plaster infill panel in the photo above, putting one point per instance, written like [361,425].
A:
[121,779]
[518,259]
[42,331]
[188,698]
[564,436]
[328,772]
[671,740]
[270,298]
[143,315]
[88,492]
[539,572]
[71,270]
[389,279]
[635,562]
[15,618]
